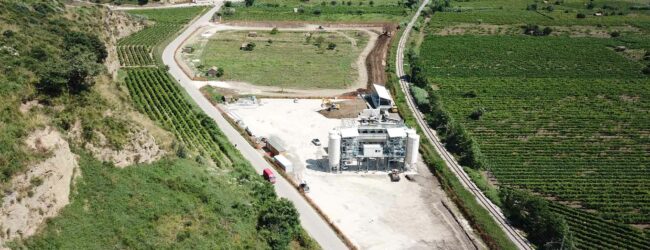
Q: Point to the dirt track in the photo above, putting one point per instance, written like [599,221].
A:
[376,60]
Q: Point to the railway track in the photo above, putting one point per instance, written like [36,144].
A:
[518,239]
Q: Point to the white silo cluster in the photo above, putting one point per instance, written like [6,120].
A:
[334,149]
[412,146]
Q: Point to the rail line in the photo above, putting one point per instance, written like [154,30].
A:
[519,240]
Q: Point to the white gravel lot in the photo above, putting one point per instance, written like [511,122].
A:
[372,211]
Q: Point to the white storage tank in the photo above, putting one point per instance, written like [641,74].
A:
[334,149]
[412,146]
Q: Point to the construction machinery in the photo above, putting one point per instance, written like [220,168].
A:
[329,105]
[394,175]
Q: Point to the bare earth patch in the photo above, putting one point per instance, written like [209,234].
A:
[42,190]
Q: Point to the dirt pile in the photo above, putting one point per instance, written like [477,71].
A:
[42,190]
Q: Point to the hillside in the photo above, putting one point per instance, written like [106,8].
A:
[81,167]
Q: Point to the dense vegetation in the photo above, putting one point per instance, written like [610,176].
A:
[561,116]
[57,68]
[169,204]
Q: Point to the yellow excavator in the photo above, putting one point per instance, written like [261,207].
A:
[329,105]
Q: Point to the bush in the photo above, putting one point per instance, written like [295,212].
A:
[581,15]
[331,46]
[476,114]
[317,12]
[646,71]
[470,94]
[279,223]
[615,34]
[274,31]
[143,2]
[421,97]
[227,4]
[249,3]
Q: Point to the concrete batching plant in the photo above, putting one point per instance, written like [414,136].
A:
[372,143]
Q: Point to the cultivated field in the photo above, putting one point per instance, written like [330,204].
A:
[138,48]
[288,58]
[325,11]
[562,116]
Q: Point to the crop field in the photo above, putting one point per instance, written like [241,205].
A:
[564,117]
[287,59]
[515,12]
[157,96]
[328,11]
[486,56]
[137,49]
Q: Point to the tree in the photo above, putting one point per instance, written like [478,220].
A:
[581,15]
[331,46]
[279,223]
[143,2]
[219,72]
[274,31]
[615,34]
[227,4]
[249,3]
[317,12]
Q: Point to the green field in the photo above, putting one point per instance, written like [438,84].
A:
[291,59]
[561,116]
[169,204]
[324,11]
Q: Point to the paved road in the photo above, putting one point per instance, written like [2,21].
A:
[317,228]
[519,240]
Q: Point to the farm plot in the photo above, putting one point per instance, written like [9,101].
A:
[563,117]
[287,59]
[137,49]
[474,56]
[156,94]
[330,11]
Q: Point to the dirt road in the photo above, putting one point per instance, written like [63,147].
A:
[376,60]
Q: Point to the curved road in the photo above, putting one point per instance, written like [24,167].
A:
[311,221]
[518,239]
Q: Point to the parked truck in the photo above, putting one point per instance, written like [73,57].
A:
[268,175]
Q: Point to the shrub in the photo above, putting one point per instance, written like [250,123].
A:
[581,15]
[249,2]
[476,114]
[333,2]
[470,94]
[274,31]
[227,4]
[615,34]
[646,71]
[421,98]
[143,2]
[317,12]
[331,46]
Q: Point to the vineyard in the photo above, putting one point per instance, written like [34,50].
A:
[134,55]
[156,94]
[137,49]
[564,117]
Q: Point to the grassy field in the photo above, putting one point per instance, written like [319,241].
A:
[323,11]
[170,204]
[561,116]
[290,59]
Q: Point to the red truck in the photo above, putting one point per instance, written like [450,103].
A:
[268,175]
